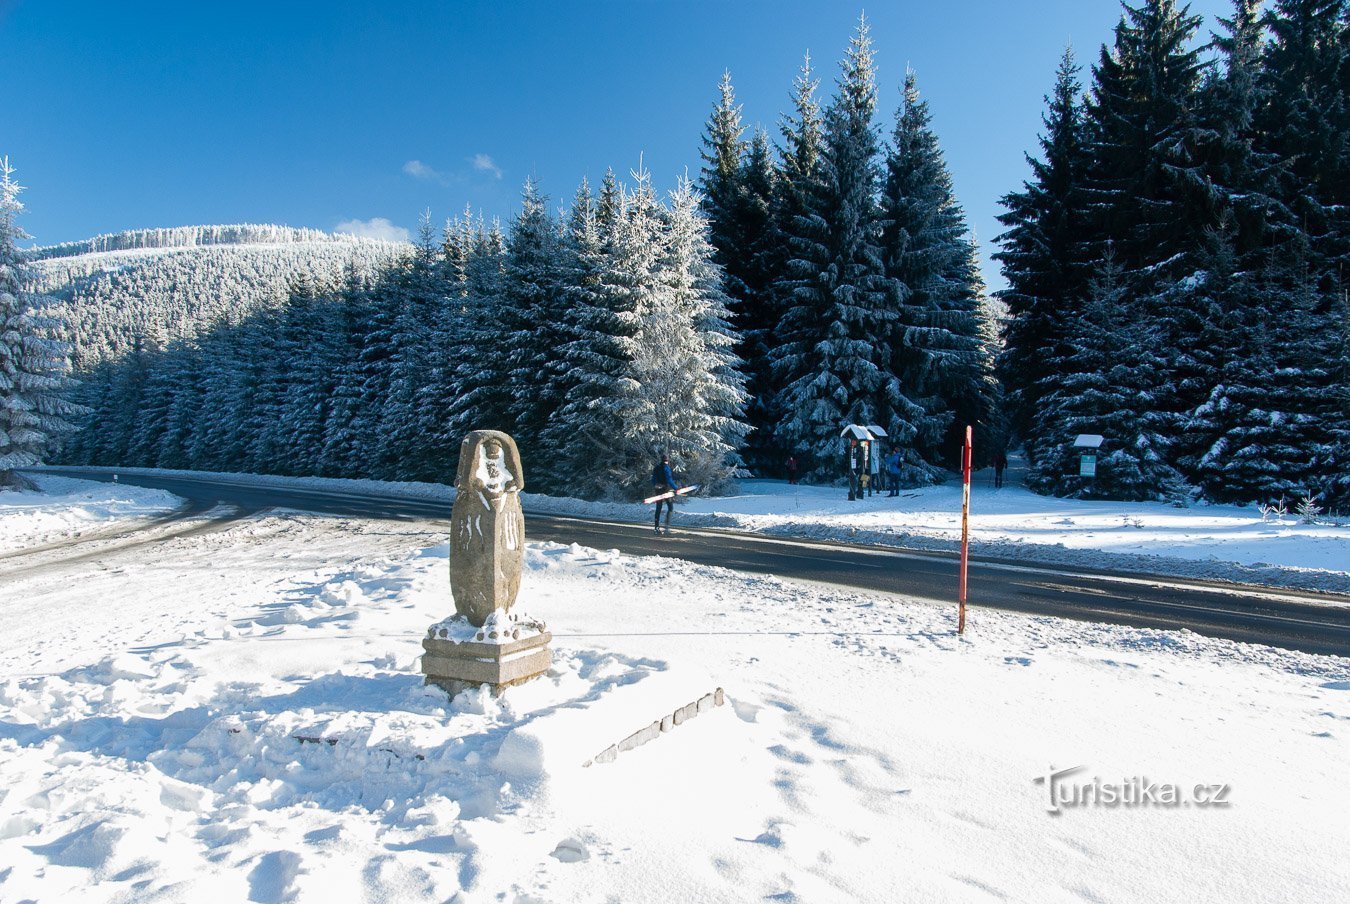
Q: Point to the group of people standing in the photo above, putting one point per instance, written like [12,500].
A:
[872,471]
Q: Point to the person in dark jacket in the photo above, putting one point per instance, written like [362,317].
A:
[893,471]
[663,480]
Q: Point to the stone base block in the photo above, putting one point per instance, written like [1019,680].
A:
[456,666]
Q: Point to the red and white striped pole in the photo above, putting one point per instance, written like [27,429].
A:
[965,529]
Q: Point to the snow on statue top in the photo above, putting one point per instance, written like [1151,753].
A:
[484,642]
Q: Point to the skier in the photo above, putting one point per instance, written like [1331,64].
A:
[663,479]
[1000,462]
[792,469]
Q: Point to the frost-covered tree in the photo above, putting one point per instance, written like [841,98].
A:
[704,388]
[737,186]
[34,411]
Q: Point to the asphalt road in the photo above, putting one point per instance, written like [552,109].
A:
[1315,623]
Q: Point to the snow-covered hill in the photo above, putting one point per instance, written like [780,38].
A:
[157,285]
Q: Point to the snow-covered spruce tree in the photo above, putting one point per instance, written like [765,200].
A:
[1143,190]
[937,343]
[1307,118]
[737,189]
[1099,387]
[309,342]
[657,371]
[798,155]
[34,411]
[482,370]
[1042,252]
[412,420]
[1332,460]
[704,421]
[217,442]
[344,445]
[754,314]
[723,148]
[632,278]
[1253,438]
[831,361]
[533,307]
[182,374]
[1148,196]
[599,329]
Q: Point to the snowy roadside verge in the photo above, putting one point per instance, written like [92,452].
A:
[1207,542]
[66,508]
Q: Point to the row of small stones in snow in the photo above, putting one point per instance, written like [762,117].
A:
[664,724]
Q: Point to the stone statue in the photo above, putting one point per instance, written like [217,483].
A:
[487,533]
[484,643]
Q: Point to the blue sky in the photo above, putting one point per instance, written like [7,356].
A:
[131,115]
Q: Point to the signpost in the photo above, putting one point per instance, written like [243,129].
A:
[1087,445]
[965,530]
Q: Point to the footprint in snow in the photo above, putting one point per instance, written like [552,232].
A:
[570,850]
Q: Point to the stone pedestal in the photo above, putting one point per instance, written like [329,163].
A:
[455,666]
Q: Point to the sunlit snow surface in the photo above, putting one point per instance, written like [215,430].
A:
[71,508]
[239,716]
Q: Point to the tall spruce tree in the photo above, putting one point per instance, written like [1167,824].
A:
[1144,192]
[799,155]
[737,191]
[1100,386]
[34,410]
[831,362]
[1042,253]
[533,303]
[937,346]
[599,330]
[1307,117]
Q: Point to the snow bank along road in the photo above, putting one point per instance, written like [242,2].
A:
[1311,622]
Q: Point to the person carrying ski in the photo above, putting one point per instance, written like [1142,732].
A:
[663,480]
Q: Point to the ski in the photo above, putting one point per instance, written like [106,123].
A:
[670,494]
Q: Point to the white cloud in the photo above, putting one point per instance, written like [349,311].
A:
[375,228]
[419,170]
[485,164]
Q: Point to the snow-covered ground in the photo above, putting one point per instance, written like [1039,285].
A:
[70,508]
[1225,542]
[239,716]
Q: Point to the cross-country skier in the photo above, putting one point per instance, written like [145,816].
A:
[663,479]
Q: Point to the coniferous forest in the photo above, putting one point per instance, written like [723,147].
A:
[1176,282]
